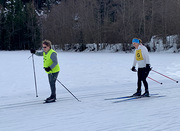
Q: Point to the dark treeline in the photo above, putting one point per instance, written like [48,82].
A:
[111,21]
[19,27]
[87,21]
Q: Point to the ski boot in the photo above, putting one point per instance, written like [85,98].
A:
[138,93]
[52,98]
[146,94]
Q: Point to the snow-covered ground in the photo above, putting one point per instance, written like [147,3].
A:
[91,77]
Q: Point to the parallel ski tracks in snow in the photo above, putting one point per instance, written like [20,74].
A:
[35,102]
[25,103]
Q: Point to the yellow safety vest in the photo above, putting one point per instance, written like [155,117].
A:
[48,62]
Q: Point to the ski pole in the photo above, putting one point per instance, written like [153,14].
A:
[34,76]
[155,80]
[29,56]
[66,88]
[151,78]
[166,76]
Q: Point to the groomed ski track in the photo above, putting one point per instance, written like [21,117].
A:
[91,77]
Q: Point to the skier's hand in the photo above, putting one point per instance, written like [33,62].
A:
[148,68]
[133,69]
[47,69]
[33,51]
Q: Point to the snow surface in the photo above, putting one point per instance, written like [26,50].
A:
[91,77]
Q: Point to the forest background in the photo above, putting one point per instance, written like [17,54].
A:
[68,23]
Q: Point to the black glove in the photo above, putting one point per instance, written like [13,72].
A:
[33,51]
[148,68]
[47,69]
[133,69]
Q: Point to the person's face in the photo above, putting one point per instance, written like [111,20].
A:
[45,48]
[135,45]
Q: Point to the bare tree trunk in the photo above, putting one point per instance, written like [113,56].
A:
[144,20]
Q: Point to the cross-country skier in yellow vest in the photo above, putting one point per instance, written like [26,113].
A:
[142,59]
[51,66]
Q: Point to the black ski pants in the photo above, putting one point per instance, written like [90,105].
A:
[142,75]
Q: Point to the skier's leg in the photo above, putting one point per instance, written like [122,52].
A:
[144,76]
[139,79]
[52,81]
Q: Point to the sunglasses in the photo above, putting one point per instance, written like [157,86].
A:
[44,46]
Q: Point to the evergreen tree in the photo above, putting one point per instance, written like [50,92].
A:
[19,29]
[32,35]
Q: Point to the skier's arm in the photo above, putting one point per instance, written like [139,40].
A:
[146,55]
[54,59]
[39,53]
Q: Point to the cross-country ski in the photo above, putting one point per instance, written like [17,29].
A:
[124,97]
[138,97]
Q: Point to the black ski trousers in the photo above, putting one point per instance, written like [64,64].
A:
[142,75]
